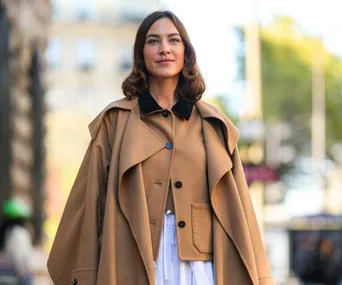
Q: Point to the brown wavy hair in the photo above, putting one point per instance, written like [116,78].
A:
[190,85]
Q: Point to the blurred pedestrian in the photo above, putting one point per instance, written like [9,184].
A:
[322,265]
[161,196]
[15,244]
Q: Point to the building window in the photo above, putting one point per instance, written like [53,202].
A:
[126,65]
[53,54]
[54,9]
[85,55]
[84,10]
[126,61]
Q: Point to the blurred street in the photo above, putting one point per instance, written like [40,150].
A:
[38,265]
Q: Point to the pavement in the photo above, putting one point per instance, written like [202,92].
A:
[38,267]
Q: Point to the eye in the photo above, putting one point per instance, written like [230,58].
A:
[174,40]
[152,41]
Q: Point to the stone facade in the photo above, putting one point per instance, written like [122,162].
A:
[28,35]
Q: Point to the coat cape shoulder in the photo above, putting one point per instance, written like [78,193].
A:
[206,110]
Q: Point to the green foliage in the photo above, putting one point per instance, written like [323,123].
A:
[287,59]
[220,102]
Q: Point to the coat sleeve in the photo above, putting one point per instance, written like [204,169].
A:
[263,269]
[75,248]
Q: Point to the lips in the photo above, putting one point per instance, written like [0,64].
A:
[164,60]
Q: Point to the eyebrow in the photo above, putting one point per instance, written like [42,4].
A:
[158,36]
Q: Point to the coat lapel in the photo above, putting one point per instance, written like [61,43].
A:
[230,132]
[218,159]
[138,144]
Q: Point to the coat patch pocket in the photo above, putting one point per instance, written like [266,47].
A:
[202,227]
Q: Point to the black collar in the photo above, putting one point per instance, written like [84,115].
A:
[148,105]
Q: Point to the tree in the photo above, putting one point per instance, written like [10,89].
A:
[221,102]
[287,58]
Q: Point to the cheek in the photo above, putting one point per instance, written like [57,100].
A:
[147,59]
[149,53]
[146,55]
[180,57]
[180,54]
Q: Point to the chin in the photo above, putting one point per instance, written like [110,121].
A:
[166,74]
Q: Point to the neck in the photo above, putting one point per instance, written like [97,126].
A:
[163,90]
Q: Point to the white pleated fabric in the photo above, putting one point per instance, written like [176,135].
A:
[170,270]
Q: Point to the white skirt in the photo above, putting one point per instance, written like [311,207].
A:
[170,270]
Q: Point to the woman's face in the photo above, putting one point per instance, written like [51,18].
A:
[163,50]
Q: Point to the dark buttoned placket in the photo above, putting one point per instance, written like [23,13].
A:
[169,203]
[157,170]
[170,146]
[174,183]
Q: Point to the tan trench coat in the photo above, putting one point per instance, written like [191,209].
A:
[113,246]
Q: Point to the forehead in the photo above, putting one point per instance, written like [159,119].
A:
[162,26]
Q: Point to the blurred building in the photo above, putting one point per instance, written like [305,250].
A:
[90,50]
[89,54]
[23,34]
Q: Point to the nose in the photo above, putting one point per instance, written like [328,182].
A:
[164,48]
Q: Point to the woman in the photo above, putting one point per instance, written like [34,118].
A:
[160,197]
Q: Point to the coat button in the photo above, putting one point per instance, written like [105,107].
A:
[74,282]
[178,184]
[181,224]
[168,145]
[166,114]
